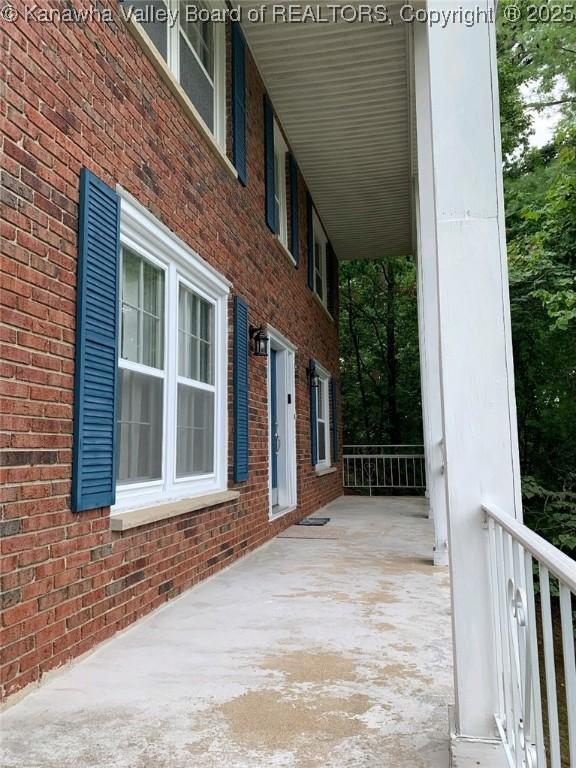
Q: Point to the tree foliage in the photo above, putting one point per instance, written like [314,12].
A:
[379,352]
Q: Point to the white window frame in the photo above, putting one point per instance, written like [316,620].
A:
[280,152]
[320,236]
[144,235]
[219,79]
[324,379]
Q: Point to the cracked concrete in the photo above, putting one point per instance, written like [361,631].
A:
[313,652]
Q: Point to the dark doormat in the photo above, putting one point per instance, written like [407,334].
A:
[314,521]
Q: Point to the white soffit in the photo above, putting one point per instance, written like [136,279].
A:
[341,92]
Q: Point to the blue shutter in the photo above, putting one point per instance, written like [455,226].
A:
[310,240]
[313,416]
[269,165]
[334,409]
[294,232]
[239,101]
[332,270]
[94,461]
[240,374]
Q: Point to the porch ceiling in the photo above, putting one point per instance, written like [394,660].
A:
[341,91]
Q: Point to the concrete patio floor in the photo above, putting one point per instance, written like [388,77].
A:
[327,648]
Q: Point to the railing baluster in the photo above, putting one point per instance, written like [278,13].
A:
[525,689]
[537,730]
[497,627]
[513,548]
[569,665]
[550,669]
[514,719]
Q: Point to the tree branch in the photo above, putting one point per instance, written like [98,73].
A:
[555,103]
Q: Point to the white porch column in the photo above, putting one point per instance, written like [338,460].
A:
[460,186]
[427,283]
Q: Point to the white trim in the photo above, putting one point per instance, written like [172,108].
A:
[288,488]
[324,382]
[218,81]
[141,227]
[218,147]
[280,512]
[319,234]
[142,232]
[280,152]
[285,251]
[282,340]
[323,307]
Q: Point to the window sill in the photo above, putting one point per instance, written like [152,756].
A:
[324,307]
[285,251]
[177,90]
[327,471]
[134,518]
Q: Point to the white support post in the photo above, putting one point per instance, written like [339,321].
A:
[427,284]
[460,190]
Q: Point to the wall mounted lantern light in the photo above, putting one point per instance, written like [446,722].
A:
[313,377]
[259,341]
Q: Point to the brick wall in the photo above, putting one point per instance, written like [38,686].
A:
[86,94]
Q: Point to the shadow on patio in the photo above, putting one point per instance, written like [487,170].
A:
[329,647]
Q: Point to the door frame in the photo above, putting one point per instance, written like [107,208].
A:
[286,415]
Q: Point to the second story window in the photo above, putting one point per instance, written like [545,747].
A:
[320,266]
[280,151]
[193,46]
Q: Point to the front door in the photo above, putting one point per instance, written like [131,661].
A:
[282,424]
[274,435]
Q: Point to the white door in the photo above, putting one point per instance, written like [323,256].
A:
[282,428]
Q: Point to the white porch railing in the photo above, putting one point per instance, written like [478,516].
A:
[384,466]
[518,556]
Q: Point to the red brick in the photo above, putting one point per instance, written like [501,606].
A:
[65,564]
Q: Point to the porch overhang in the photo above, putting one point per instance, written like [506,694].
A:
[341,91]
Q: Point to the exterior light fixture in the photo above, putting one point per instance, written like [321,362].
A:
[313,377]
[259,341]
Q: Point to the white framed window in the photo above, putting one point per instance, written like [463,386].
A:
[320,265]
[172,379]
[193,45]
[323,418]
[281,210]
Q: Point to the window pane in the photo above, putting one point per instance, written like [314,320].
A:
[152,305]
[151,341]
[195,333]
[142,311]
[199,33]
[129,333]
[130,278]
[205,374]
[205,321]
[321,441]
[150,14]
[320,391]
[153,280]
[318,269]
[139,427]
[195,426]
[195,82]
